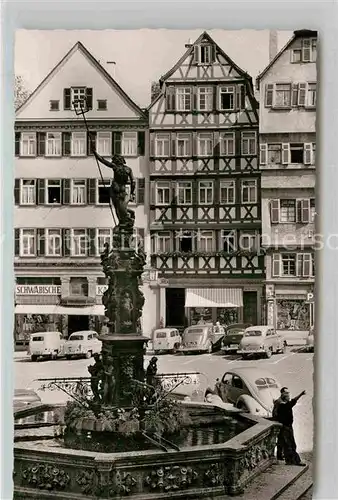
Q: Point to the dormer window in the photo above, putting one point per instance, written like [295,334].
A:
[75,97]
[306,52]
[204,54]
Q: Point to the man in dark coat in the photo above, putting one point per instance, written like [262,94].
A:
[283,413]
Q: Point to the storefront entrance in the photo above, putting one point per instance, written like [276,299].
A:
[175,312]
[77,323]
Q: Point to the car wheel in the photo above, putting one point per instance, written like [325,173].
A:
[242,406]
[174,350]
[88,354]
[245,356]
[34,358]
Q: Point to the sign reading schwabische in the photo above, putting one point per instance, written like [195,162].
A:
[38,289]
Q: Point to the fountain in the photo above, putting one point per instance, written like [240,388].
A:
[127,436]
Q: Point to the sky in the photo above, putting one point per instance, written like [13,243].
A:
[141,56]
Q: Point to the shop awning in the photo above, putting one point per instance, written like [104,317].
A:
[95,310]
[214,297]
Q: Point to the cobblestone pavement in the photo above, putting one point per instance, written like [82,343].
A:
[293,369]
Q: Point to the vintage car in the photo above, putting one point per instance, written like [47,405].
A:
[233,336]
[23,398]
[82,344]
[310,341]
[47,345]
[250,389]
[262,340]
[166,340]
[201,338]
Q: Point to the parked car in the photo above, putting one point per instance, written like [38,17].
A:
[46,345]
[24,397]
[233,336]
[250,389]
[261,340]
[201,338]
[82,344]
[166,340]
[310,341]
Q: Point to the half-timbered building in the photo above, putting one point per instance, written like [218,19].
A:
[62,217]
[287,126]
[205,212]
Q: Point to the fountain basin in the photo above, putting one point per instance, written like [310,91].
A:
[46,469]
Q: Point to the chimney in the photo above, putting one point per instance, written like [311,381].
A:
[189,44]
[273,48]
[155,91]
[112,66]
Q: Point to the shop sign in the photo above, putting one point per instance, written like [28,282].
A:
[38,289]
[100,289]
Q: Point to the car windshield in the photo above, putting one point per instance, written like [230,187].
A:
[161,335]
[253,333]
[37,339]
[266,383]
[76,337]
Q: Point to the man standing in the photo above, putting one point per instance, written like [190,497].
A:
[283,413]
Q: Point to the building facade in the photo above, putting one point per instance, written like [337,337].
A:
[205,211]
[287,126]
[62,215]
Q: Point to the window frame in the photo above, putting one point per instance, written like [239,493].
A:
[208,239]
[33,190]
[74,90]
[208,141]
[224,143]
[32,141]
[222,91]
[222,187]
[133,141]
[249,202]
[284,211]
[103,151]
[72,202]
[314,93]
[108,238]
[284,105]
[291,257]
[47,186]
[100,101]
[207,96]
[180,97]
[162,138]
[55,140]
[165,186]
[231,234]
[250,141]
[184,186]
[47,236]
[252,238]
[85,236]
[34,239]
[84,284]
[72,144]
[207,190]
[163,240]
[101,184]
[188,144]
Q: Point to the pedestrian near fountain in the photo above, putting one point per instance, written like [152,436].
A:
[283,413]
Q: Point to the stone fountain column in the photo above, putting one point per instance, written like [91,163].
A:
[124,347]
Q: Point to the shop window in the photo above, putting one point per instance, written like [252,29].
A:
[79,287]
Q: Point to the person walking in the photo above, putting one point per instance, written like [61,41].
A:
[283,413]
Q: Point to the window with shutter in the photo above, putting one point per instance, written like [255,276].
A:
[301,94]
[16,242]
[91,142]
[117,143]
[285,154]
[306,50]
[91,191]
[41,191]
[141,140]
[274,211]
[41,242]
[41,139]
[66,242]
[67,99]
[269,87]
[276,265]
[170,99]
[53,245]
[28,192]
[152,193]
[308,150]
[307,265]
[66,191]
[263,148]
[196,54]
[299,264]
[66,143]
[305,211]
[92,247]
[17,191]
[17,143]
[294,97]
[140,190]
[89,98]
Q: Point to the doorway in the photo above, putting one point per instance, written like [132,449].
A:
[250,307]
[77,323]
[175,311]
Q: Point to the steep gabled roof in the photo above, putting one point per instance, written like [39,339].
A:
[79,46]
[296,34]
[204,35]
